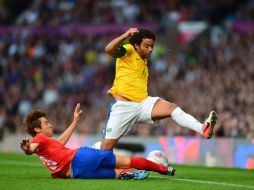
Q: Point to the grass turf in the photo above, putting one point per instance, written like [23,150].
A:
[19,171]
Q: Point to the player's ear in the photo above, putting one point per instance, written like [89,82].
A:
[37,129]
[136,46]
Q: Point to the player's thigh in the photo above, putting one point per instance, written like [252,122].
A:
[108,144]
[162,109]
[122,162]
[121,118]
[145,115]
[88,160]
[102,173]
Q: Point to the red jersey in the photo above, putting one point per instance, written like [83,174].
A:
[54,155]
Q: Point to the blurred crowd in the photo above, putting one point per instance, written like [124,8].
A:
[57,12]
[54,72]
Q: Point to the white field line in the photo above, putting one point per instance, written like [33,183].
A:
[207,182]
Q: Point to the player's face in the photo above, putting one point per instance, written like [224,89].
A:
[145,48]
[46,127]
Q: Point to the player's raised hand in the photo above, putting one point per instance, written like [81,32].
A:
[25,144]
[131,32]
[77,112]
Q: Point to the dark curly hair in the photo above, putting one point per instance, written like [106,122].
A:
[32,121]
[142,34]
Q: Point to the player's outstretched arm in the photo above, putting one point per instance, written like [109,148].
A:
[113,47]
[27,147]
[68,132]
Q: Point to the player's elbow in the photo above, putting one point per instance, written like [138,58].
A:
[110,50]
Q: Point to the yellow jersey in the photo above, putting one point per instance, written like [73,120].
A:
[131,76]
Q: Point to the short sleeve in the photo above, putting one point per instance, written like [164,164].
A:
[39,139]
[121,53]
[129,49]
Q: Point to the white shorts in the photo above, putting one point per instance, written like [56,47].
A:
[124,114]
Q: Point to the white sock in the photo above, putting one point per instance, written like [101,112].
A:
[186,120]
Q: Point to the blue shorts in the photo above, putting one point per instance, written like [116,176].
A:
[89,163]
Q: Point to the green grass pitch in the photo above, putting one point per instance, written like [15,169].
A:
[18,171]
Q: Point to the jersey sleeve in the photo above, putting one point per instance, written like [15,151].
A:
[126,49]
[121,53]
[129,49]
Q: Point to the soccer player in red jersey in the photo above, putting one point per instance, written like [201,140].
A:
[85,162]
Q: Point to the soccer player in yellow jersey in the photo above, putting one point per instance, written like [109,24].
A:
[132,103]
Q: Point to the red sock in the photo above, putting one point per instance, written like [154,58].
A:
[144,164]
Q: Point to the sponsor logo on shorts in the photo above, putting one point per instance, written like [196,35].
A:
[108,130]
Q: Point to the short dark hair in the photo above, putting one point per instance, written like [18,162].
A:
[142,34]
[32,121]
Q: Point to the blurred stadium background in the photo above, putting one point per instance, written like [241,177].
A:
[52,56]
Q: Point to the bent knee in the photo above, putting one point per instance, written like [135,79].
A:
[162,109]
[168,106]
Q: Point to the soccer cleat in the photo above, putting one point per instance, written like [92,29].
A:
[140,174]
[171,171]
[133,174]
[126,174]
[209,124]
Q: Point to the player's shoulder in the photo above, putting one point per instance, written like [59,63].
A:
[124,50]
[38,135]
[39,138]
[129,48]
